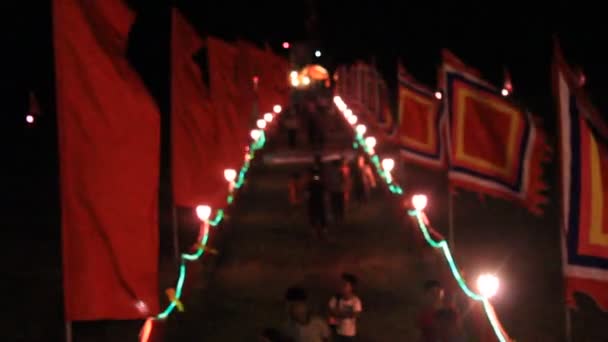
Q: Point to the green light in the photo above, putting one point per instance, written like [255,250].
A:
[448,256]
[443,245]
[218,218]
[256,145]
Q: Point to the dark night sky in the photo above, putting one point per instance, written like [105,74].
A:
[486,35]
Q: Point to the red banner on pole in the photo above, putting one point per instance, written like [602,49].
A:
[419,128]
[584,185]
[198,163]
[495,146]
[109,146]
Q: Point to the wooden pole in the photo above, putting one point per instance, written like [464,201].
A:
[68,331]
[568,324]
[451,219]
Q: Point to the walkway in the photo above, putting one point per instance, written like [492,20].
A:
[268,247]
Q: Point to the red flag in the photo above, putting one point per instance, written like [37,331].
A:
[109,137]
[495,146]
[273,87]
[249,69]
[419,128]
[198,164]
[226,99]
[584,180]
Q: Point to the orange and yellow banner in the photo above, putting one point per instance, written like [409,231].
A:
[584,183]
[494,145]
[419,125]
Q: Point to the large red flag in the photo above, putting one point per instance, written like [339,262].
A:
[584,185]
[495,147]
[273,87]
[198,164]
[109,137]
[419,127]
[223,58]
[250,62]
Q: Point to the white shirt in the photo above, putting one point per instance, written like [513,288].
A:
[347,326]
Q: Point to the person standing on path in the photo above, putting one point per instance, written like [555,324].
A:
[302,326]
[316,202]
[358,180]
[291,124]
[433,296]
[345,169]
[344,309]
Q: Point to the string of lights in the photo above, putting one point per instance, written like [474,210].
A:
[487,284]
[236,181]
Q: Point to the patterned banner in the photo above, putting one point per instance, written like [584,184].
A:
[494,145]
[584,173]
[419,129]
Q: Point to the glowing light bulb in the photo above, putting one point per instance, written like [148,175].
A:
[277,109]
[318,53]
[348,112]
[29,119]
[388,164]
[438,95]
[203,212]
[141,306]
[504,92]
[293,74]
[419,202]
[370,142]
[230,175]
[305,80]
[337,99]
[488,285]
[352,119]
[255,134]
[295,82]
[286,45]
[361,129]
[268,117]
[261,123]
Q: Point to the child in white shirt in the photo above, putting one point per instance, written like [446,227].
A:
[345,308]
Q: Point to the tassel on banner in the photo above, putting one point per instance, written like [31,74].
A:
[507,87]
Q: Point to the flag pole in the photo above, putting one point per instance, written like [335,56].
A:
[568,324]
[450,219]
[175,229]
[68,331]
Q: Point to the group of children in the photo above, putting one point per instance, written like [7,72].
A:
[302,326]
[335,185]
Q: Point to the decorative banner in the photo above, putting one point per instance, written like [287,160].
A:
[109,149]
[487,326]
[386,118]
[419,129]
[226,98]
[197,136]
[584,183]
[495,147]
[373,82]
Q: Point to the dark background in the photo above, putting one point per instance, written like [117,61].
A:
[486,35]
